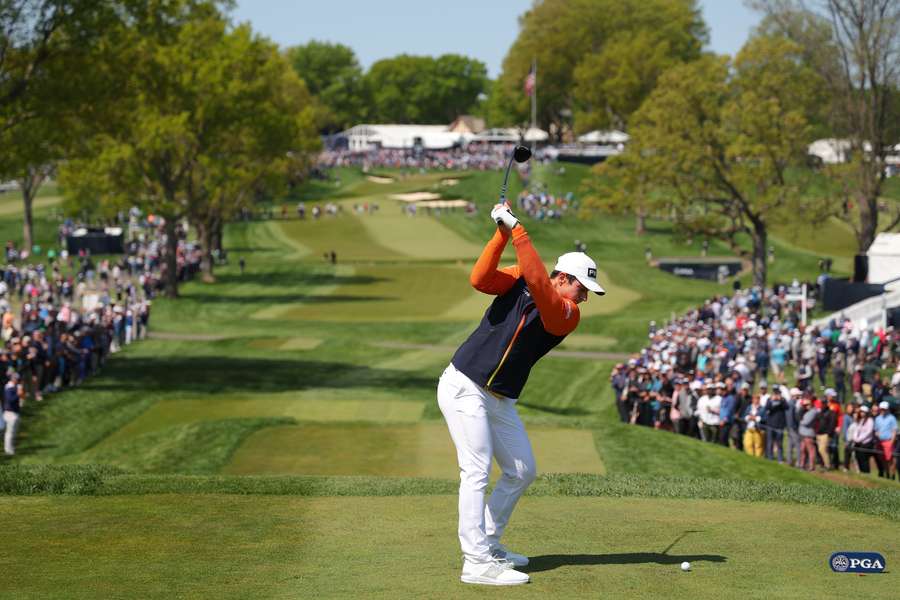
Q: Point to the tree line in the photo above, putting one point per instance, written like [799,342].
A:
[162,104]
[169,105]
[719,144]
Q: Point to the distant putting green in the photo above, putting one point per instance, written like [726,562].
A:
[405,547]
[421,450]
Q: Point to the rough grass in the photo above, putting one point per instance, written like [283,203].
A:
[106,480]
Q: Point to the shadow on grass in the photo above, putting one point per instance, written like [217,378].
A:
[283,299]
[571,411]
[548,562]
[212,374]
[279,278]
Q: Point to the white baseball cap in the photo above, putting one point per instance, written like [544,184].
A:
[582,267]
[884,405]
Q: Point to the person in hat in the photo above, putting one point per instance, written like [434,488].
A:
[532,313]
[807,430]
[848,428]
[708,413]
[864,438]
[753,417]
[826,424]
[774,419]
[792,419]
[885,436]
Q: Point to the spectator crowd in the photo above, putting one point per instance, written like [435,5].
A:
[540,204]
[62,319]
[743,372]
[474,157]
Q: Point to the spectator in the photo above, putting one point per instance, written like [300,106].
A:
[848,430]
[864,438]
[826,424]
[886,435]
[13,395]
[727,410]
[708,413]
[807,430]
[753,436]
[775,421]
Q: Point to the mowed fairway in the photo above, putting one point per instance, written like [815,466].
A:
[279,436]
[225,546]
[422,450]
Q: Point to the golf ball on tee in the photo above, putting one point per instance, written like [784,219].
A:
[685,566]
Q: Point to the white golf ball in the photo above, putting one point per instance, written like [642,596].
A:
[685,566]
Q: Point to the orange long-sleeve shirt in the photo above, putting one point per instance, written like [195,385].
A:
[560,316]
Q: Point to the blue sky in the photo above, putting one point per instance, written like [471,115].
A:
[482,29]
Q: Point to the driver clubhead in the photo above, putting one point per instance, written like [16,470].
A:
[521,154]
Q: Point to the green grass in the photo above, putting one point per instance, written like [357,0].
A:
[295,448]
[290,547]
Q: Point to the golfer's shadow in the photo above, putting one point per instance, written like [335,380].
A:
[548,562]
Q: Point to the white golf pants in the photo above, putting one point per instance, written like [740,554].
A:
[9,437]
[484,426]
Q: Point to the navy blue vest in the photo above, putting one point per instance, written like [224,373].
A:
[499,355]
[11,398]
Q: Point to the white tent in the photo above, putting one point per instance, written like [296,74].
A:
[511,135]
[498,134]
[833,151]
[361,138]
[884,258]
[533,134]
[612,137]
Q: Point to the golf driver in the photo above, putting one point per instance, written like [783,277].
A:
[520,155]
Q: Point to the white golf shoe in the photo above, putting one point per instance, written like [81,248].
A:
[502,552]
[494,572]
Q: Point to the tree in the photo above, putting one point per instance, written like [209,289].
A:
[211,116]
[714,144]
[50,51]
[854,45]
[333,75]
[423,89]
[580,44]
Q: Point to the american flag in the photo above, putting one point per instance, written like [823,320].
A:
[530,80]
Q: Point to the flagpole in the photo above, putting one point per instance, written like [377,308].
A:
[534,94]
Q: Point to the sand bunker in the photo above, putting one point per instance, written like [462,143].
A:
[375,179]
[416,196]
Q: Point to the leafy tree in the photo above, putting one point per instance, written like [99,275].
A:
[214,115]
[423,89]
[596,59]
[713,144]
[333,75]
[51,77]
[854,45]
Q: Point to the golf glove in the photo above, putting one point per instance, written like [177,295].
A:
[503,216]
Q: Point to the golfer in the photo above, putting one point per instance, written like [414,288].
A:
[477,393]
